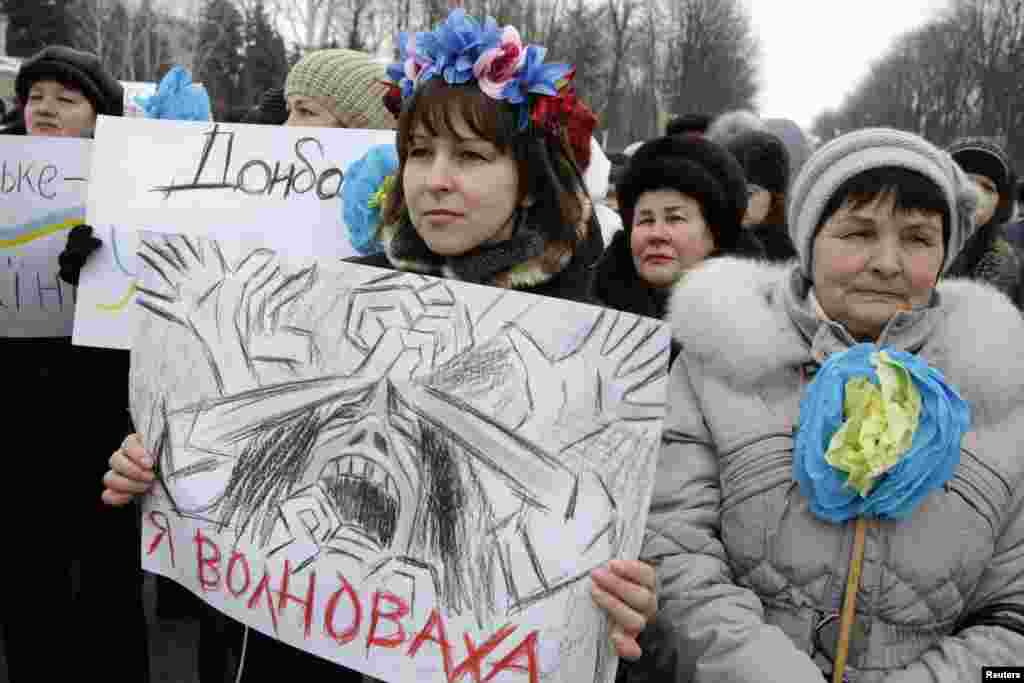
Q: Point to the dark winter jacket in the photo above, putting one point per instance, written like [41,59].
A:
[1015,233]
[990,257]
[78,398]
[617,284]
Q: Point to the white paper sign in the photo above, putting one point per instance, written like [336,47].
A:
[389,470]
[42,196]
[279,184]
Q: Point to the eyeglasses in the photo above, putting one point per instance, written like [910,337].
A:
[826,640]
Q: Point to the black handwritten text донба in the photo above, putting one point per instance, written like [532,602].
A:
[256,176]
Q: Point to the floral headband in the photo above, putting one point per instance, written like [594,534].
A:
[461,50]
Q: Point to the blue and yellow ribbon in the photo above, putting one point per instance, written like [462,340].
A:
[50,224]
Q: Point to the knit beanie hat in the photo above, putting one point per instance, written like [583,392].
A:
[984,157]
[81,70]
[864,150]
[696,167]
[349,83]
[763,157]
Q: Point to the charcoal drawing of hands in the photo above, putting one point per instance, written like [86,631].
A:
[406,325]
[233,309]
[631,362]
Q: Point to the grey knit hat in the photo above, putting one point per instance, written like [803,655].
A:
[863,150]
[350,83]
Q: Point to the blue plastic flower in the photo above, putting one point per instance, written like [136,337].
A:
[929,463]
[536,77]
[361,196]
[177,99]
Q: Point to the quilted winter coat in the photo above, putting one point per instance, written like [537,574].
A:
[748,576]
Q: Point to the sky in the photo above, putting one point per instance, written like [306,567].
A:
[814,52]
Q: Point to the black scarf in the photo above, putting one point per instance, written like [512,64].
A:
[407,250]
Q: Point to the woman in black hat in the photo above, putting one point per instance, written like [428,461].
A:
[988,255]
[60,92]
[765,163]
[682,200]
[77,396]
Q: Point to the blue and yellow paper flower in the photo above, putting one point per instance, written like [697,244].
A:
[367,184]
[879,430]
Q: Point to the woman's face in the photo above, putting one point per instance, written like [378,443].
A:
[461,190]
[872,261]
[759,203]
[988,198]
[669,236]
[57,110]
[309,113]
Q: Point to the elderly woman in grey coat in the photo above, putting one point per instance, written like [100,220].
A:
[752,574]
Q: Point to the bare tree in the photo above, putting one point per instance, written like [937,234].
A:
[958,74]
[307,23]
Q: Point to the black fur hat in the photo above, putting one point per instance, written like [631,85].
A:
[763,157]
[81,70]
[695,167]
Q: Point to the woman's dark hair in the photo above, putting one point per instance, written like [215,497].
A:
[777,212]
[546,169]
[910,190]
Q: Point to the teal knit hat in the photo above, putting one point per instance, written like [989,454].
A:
[349,83]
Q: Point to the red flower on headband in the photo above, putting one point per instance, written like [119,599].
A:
[393,98]
[568,112]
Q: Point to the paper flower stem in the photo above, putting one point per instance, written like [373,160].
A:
[850,600]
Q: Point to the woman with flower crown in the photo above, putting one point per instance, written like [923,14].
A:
[839,491]
[487,191]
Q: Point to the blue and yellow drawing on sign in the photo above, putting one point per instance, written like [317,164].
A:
[58,221]
[121,303]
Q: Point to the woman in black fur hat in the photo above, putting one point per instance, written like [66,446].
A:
[682,200]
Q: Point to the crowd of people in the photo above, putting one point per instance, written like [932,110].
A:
[774,265]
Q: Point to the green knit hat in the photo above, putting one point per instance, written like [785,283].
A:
[350,83]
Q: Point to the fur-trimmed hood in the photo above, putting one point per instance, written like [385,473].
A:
[741,320]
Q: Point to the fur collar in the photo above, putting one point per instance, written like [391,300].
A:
[551,259]
[733,317]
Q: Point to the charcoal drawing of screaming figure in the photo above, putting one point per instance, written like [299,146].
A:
[457,438]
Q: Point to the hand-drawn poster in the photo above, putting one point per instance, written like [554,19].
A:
[410,476]
[280,185]
[43,190]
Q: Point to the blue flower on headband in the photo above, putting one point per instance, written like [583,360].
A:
[462,50]
[367,182]
[536,77]
[463,40]
[929,462]
[451,50]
